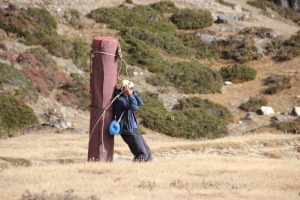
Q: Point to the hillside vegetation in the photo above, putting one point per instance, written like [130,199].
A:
[163,39]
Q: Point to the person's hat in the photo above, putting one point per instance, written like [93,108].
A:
[126,83]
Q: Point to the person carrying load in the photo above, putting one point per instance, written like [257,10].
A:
[127,102]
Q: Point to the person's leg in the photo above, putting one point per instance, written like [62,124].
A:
[136,146]
[149,154]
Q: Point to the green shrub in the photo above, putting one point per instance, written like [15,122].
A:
[140,16]
[202,50]
[43,19]
[238,73]
[193,122]
[73,17]
[25,90]
[165,7]
[137,52]
[194,78]
[215,109]
[277,83]
[14,115]
[164,40]
[157,79]
[254,104]
[192,19]
[287,127]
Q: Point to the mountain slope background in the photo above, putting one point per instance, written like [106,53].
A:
[252,162]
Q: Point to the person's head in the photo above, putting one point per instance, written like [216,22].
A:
[127,83]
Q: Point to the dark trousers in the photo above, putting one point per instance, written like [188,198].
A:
[138,146]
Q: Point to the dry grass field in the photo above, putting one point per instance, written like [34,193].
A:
[254,166]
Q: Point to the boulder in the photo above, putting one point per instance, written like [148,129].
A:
[249,116]
[205,37]
[244,16]
[279,118]
[237,8]
[227,19]
[296,111]
[228,83]
[265,110]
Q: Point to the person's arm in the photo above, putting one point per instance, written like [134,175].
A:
[138,99]
[130,104]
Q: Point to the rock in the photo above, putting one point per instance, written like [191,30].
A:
[228,83]
[265,110]
[271,35]
[205,37]
[279,118]
[57,122]
[244,16]
[296,111]
[227,19]
[3,35]
[249,116]
[237,8]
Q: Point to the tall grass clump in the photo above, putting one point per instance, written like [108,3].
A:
[192,19]
[14,115]
[191,122]
[238,73]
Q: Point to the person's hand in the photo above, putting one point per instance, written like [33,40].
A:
[127,90]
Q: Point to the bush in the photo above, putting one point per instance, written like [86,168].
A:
[202,50]
[215,109]
[193,122]
[277,83]
[36,57]
[76,92]
[157,80]
[143,17]
[192,19]
[24,91]
[254,104]
[38,27]
[73,17]
[287,127]
[138,53]
[45,80]
[238,73]
[14,115]
[241,49]
[164,40]
[165,7]
[194,78]
[260,32]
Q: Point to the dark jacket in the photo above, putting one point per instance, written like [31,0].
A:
[128,105]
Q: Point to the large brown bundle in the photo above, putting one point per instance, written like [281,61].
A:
[103,83]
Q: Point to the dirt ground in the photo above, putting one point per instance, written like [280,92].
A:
[255,166]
